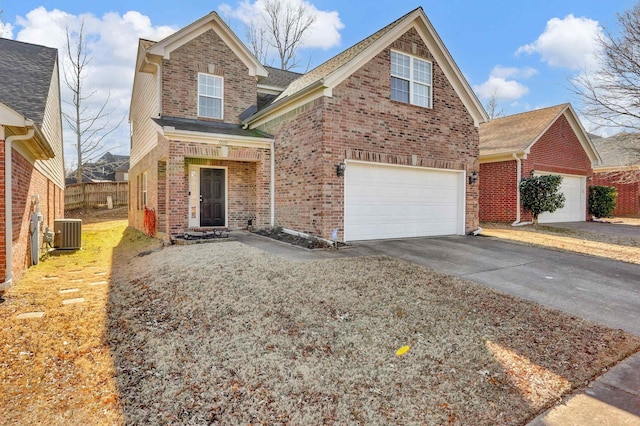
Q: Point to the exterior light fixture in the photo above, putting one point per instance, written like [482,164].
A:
[473,177]
[340,168]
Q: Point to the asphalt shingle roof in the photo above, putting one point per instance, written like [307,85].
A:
[190,125]
[622,149]
[516,132]
[337,61]
[279,78]
[25,77]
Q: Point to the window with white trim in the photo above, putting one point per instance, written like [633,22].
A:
[210,90]
[411,80]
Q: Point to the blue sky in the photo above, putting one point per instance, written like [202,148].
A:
[523,52]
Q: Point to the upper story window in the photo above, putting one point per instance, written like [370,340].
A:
[210,89]
[411,80]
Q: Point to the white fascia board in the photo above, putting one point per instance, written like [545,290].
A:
[271,90]
[583,137]
[502,156]
[216,138]
[9,117]
[210,22]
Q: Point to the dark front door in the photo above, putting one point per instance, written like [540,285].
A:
[212,197]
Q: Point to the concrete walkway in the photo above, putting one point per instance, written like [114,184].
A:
[601,290]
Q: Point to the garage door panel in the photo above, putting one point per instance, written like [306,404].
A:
[397,202]
[574,210]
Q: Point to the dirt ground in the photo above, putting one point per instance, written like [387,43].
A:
[222,333]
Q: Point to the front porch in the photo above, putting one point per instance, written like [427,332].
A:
[214,181]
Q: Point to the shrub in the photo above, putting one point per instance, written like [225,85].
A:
[602,200]
[541,194]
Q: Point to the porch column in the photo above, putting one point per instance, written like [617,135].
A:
[177,190]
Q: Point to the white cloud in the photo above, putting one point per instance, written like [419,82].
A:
[570,43]
[323,34]
[513,72]
[501,83]
[6,30]
[112,42]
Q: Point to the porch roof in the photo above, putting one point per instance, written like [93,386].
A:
[213,127]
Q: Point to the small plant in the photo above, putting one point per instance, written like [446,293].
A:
[541,194]
[276,230]
[602,200]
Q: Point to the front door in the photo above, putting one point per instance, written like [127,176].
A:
[212,197]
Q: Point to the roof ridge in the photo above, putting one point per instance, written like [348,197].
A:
[361,45]
[528,112]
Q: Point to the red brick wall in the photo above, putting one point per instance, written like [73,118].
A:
[498,191]
[360,116]
[628,193]
[248,186]
[26,182]
[180,78]
[557,151]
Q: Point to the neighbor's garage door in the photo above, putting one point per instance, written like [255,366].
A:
[395,202]
[574,210]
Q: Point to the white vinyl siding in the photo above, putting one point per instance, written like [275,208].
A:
[144,105]
[385,201]
[52,129]
[210,91]
[411,79]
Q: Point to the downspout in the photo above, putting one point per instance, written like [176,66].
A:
[273,184]
[518,179]
[8,197]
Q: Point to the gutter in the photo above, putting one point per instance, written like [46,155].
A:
[8,197]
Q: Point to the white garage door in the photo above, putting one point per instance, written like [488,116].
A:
[574,210]
[397,202]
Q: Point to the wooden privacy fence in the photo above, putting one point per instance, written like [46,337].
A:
[93,195]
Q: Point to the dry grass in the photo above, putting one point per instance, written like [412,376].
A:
[59,369]
[224,333]
[625,248]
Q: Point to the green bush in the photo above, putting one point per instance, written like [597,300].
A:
[602,200]
[541,194]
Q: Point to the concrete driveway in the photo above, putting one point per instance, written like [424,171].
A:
[604,291]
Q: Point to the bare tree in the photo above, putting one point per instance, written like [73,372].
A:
[282,27]
[90,127]
[611,96]
[492,107]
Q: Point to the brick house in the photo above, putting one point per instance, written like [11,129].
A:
[375,143]
[545,141]
[31,152]
[620,168]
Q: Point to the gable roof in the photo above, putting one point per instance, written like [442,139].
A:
[332,72]
[619,151]
[278,78]
[516,134]
[26,70]
[212,21]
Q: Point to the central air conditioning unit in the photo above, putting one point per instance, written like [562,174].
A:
[68,234]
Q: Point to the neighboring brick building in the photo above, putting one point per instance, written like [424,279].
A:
[31,152]
[377,142]
[545,141]
[620,168]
